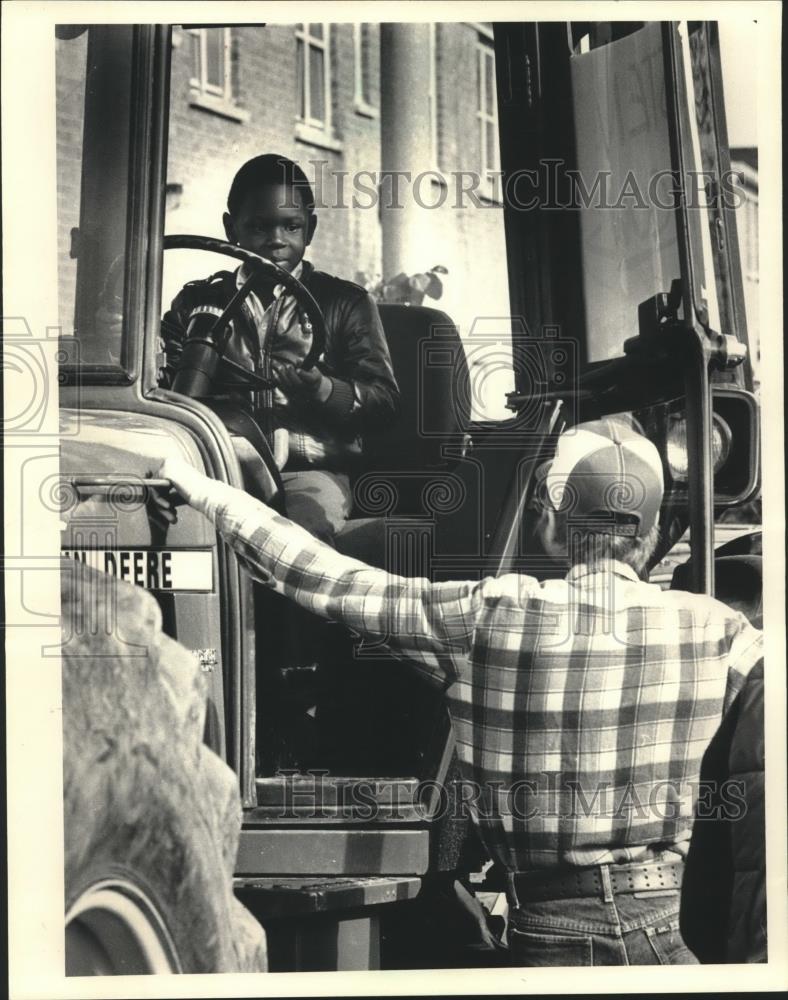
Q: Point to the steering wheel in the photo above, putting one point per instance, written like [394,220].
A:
[204,348]
[203,353]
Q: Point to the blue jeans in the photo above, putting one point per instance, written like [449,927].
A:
[629,929]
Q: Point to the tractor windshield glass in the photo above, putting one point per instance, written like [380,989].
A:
[406,176]
[628,225]
[625,187]
[94,101]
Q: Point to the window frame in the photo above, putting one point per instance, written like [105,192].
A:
[432,97]
[208,96]
[485,30]
[202,83]
[362,103]
[308,128]
[752,269]
[487,170]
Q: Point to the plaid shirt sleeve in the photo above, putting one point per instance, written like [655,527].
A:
[431,623]
[746,650]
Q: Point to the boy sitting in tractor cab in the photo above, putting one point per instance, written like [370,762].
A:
[313,418]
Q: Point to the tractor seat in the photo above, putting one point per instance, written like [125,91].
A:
[405,481]
[425,440]
[407,467]
[429,364]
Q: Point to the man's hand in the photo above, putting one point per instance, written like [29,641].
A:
[161,504]
[161,507]
[185,479]
[298,384]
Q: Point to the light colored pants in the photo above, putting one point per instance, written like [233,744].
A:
[319,501]
[322,501]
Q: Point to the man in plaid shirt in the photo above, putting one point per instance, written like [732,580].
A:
[581,707]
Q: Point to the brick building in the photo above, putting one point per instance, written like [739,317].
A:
[744,161]
[352,103]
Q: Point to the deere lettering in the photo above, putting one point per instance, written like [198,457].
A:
[149,569]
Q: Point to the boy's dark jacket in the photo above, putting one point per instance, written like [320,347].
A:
[364,396]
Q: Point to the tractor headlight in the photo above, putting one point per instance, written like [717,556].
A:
[676,446]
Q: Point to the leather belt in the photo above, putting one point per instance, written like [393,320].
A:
[568,883]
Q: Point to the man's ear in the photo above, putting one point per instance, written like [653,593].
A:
[547,531]
[311,226]
[229,228]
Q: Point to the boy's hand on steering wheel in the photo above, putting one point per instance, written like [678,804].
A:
[300,384]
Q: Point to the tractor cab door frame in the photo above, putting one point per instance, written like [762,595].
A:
[111,361]
[696,324]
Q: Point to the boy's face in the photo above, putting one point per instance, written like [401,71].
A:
[272,222]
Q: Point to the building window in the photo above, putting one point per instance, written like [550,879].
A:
[313,86]
[435,152]
[362,42]
[212,72]
[487,115]
[211,61]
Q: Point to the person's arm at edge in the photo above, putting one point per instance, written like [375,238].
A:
[430,623]
[746,650]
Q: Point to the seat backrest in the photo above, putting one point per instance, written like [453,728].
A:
[738,581]
[432,372]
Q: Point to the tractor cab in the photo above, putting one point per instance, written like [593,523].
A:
[624,297]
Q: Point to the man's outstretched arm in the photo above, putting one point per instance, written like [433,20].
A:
[431,623]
